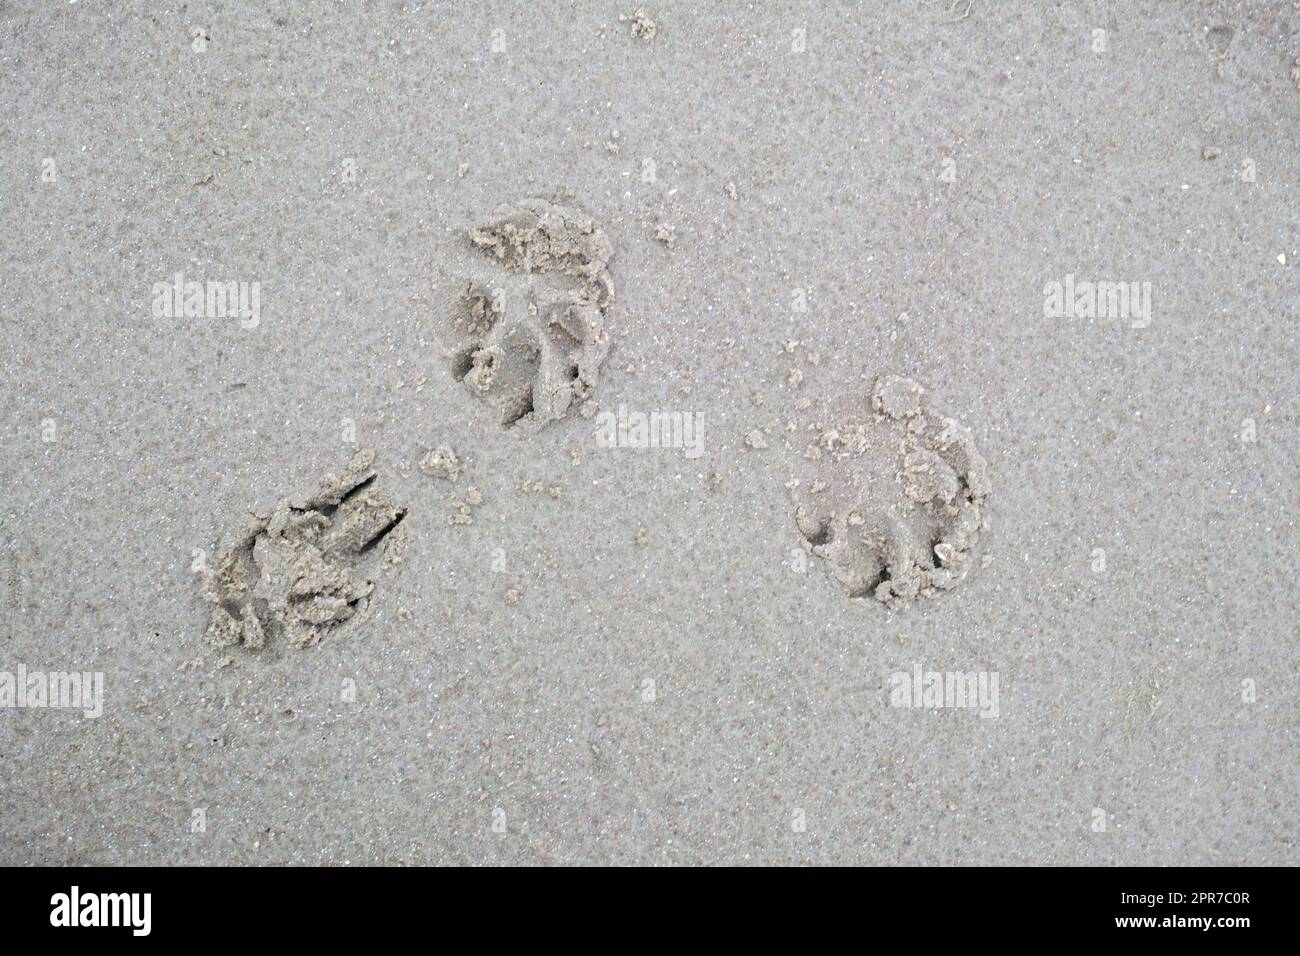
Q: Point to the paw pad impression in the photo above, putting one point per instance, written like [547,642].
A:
[922,540]
[303,570]
[531,337]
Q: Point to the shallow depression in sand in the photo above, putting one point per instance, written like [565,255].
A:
[900,499]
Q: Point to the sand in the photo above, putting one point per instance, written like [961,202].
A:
[233,246]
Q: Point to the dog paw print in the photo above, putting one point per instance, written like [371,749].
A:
[303,570]
[912,531]
[530,337]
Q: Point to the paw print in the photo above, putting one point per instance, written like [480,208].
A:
[530,337]
[912,530]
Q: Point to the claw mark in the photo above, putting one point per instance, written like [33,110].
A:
[382,533]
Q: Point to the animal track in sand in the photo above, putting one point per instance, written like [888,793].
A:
[906,525]
[303,570]
[530,336]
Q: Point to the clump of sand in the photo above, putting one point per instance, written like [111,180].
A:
[442,462]
[643,27]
